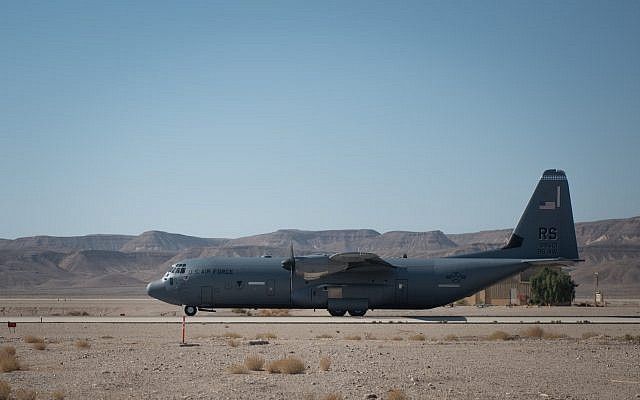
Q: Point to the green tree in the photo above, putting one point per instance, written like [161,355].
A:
[552,287]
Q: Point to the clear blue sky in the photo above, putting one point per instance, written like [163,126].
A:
[223,119]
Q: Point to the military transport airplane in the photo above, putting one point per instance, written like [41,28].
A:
[355,282]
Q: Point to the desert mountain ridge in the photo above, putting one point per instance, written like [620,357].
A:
[123,264]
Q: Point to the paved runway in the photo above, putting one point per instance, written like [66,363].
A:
[330,320]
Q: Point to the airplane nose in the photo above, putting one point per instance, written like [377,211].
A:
[157,290]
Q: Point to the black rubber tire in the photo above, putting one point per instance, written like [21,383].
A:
[190,310]
[337,312]
[358,312]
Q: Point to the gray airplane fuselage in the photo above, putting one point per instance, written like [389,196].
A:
[219,282]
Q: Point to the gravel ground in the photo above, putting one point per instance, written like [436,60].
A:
[454,362]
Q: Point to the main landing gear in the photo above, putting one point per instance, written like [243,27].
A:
[339,312]
[190,310]
[358,312]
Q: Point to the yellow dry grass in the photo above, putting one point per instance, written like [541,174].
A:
[369,336]
[8,360]
[396,394]
[533,332]
[324,336]
[418,336]
[333,396]
[273,312]
[5,390]
[325,363]
[266,335]
[25,394]
[553,335]
[288,365]
[589,335]
[8,350]
[238,369]
[57,395]
[82,344]
[499,335]
[254,362]
[451,338]
[39,346]
[33,339]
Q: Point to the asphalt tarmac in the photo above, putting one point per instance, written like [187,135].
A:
[208,319]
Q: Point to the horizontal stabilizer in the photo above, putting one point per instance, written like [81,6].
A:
[552,262]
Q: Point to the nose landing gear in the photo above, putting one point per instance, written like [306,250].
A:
[190,310]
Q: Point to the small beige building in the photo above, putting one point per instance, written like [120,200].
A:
[515,290]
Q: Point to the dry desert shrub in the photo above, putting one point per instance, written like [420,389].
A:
[333,396]
[533,332]
[396,394]
[25,394]
[238,369]
[254,362]
[324,336]
[233,343]
[33,339]
[10,350]
[353,337]
[238,311]
[8,361]
[266,335]
[5,390]
[325,363]
[82,344]
[499,335]
[451,338]
[397,338]
[630,338]
[553,335]
[289,365]
[418,336]
[589,335]
[76,313]
[273,312]
[57,395]
[40,346]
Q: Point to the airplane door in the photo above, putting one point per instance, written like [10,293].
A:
[207,296]
[402,292]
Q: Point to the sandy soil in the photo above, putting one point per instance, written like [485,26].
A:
[454,362]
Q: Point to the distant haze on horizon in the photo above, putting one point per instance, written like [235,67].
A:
[219,119]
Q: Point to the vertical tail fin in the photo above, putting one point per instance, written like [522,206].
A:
[546,228]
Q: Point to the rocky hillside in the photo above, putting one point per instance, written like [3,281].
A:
[123,264]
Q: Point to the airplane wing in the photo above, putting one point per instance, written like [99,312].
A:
[314,268]
[356,260]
